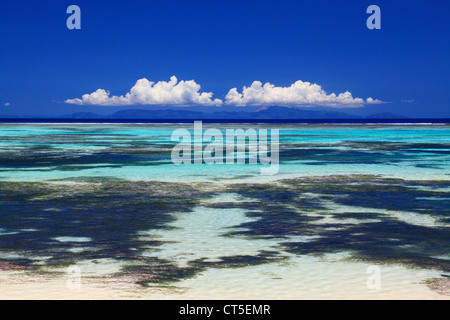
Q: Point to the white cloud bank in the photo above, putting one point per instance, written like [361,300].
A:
[298,94]
[186,93]
[146,92]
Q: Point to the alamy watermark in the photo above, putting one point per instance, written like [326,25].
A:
[374,280]
[73,278]
[374,21]
[251,146]
[74,20]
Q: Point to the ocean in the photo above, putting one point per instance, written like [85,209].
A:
[354,210]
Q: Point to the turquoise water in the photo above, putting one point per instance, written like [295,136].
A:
[142,152]
[71,194]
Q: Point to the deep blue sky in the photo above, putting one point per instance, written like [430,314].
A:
[225,44]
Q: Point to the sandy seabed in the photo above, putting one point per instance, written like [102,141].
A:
[247,283]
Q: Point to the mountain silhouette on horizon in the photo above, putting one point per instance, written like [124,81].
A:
[266,113]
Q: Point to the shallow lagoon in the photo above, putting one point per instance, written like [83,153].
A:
[107,198]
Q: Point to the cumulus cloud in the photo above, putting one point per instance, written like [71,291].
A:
[186,93]
[145,92]
[298,94]
[374,101]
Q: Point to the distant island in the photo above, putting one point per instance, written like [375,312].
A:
[263,114]
[269,113]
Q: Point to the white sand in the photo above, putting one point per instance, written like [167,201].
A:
[328,279]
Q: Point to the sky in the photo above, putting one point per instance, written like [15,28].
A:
[225,55]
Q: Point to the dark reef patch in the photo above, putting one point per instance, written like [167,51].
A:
[108,215]
[283,210]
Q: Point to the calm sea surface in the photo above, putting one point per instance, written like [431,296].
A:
[108,199]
